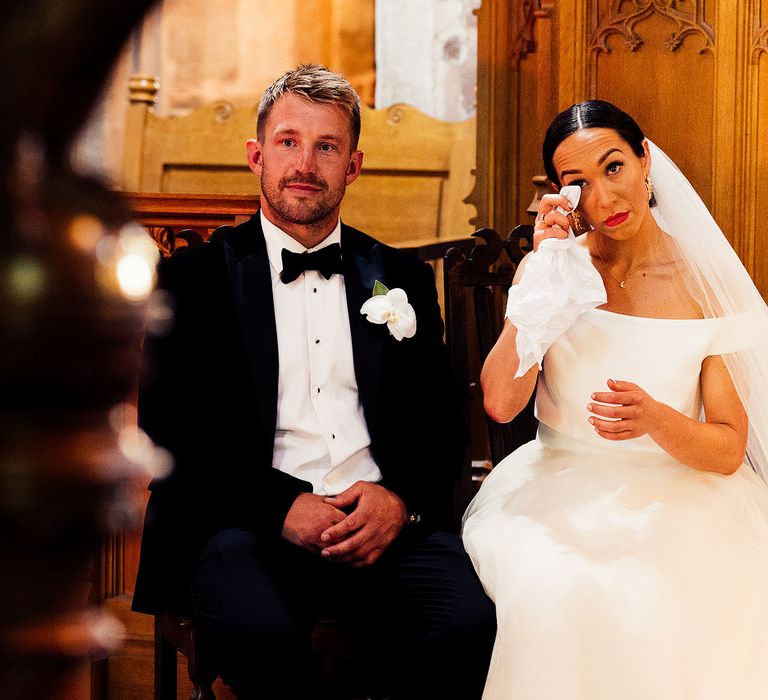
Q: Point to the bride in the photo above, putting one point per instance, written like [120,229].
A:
[626,547]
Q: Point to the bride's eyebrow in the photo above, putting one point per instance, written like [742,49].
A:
[575,171]
[600,161]
[605,155]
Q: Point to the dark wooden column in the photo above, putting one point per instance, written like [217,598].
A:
[70,328]
[516,99]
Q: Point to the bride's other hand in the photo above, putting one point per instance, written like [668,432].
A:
[630,412]
[551,223]
[716,444]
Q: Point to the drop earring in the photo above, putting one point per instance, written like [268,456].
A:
[579,224]
[649,187]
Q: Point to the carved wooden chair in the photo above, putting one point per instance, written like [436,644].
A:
[346,660]
[476,287]
[177,634]
[418,169]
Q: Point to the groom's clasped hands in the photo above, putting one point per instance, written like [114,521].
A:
[355,527]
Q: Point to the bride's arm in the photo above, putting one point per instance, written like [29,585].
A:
[503,396]
[716,445]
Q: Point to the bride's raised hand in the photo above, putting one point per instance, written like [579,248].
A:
[630,412]
[551,223]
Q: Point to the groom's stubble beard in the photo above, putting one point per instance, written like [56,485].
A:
[304,212]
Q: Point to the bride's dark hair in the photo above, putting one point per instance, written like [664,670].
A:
[592,114]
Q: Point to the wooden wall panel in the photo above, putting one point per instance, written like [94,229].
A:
[694,73]
[505,110]
[759,142]
[669,93]
[341,35]
[531,135]
[232,49]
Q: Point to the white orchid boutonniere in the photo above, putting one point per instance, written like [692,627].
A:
[391,306]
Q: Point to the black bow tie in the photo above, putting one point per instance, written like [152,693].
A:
[326,261]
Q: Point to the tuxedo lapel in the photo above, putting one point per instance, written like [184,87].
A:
[249,274]
[362,263]
[251,280]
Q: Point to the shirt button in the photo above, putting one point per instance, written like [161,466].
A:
[314,290]
[333,436]
[317,341]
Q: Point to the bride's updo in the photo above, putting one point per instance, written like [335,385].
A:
[592,114]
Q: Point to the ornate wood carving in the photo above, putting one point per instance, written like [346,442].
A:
[143,88]
[625,15]
[476,282]
[760,42]
[726,155]
[525,41]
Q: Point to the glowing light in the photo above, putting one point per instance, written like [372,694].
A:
[85,232]
[128,262]
[26,278]
[136,263]
[135,275]
[137,446]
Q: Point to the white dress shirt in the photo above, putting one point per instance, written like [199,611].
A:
[321,435]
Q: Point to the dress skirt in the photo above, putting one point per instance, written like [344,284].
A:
[621,575]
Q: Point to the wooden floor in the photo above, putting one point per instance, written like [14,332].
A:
[129,672]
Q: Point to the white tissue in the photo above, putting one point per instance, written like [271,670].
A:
[559,283]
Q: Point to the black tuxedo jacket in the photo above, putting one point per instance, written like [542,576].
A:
[209,396]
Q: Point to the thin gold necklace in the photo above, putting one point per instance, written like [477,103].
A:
[623,283]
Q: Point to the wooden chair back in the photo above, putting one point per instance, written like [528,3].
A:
[476,286]
[179,221]
[417,170]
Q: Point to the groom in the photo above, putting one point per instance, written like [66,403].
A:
[315,446]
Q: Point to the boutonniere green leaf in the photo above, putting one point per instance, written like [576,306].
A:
[379,289]
[391,306]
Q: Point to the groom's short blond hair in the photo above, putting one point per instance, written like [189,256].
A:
[315,83]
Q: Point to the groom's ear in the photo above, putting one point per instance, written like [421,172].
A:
[254,155]
[354,166]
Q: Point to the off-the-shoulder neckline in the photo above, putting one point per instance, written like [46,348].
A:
[652,318]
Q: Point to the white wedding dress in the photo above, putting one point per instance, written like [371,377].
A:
[617,572]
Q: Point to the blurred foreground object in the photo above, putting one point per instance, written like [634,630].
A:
[75,285]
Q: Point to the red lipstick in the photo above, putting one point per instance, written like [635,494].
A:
[616,219]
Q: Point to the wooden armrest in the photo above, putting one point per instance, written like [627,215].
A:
[158,209]
[435,248]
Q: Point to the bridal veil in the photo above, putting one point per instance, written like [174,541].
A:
[723,288]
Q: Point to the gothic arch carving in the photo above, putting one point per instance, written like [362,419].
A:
[625,15]
[760,43]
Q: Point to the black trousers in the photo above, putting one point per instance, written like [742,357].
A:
[258,598]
